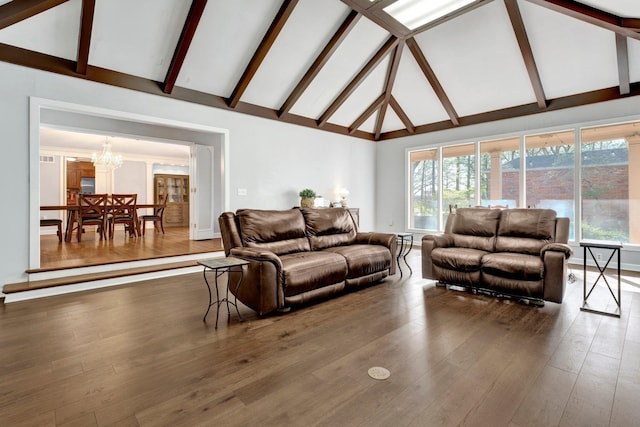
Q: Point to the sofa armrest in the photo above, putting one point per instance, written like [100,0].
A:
[438,240]
[388,240]
[429,243]
[557,247]
[555,258]
[262,286]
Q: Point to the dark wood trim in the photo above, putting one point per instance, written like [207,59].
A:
[586,98]
[433,80]
[84,38]
[525,50]
[263,49]
[366,114]
[630,23]
[374,12]
[623,64]
[402,115]
[184,42]
[388,86]
[589,14]
[337,39]
[19,10]
[358,79]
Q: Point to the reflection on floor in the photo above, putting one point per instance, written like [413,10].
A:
[93,251]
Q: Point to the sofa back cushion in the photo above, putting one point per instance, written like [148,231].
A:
[329,227]
[475,228]
[526,230]
[281,232]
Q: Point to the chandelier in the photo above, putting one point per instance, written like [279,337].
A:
[107,158]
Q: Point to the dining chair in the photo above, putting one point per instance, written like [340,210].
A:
[158,214]
[53,223]
[93,211]
[122,210]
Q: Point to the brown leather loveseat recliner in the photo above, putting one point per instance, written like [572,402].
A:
[302,255]
[511,252]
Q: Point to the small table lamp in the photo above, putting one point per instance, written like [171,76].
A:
[343,193]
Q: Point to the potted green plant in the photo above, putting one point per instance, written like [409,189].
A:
[307,197]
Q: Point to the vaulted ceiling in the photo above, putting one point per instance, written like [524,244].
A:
[342,66]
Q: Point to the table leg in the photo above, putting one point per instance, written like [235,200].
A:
[409,247]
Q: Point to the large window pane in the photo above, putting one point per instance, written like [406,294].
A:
[500,172]
[423,197]
[550,173]
[608,199]
[458,176]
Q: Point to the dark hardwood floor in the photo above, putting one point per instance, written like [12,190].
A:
[140,355]
[91,250]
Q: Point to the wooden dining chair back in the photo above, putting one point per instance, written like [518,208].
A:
[157,217]
[123,211]
[93,211]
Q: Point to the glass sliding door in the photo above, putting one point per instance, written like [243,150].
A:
[500,172]
[550,173]
[610,200]
[423,189]
[458,177]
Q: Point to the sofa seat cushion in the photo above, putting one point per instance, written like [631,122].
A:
[305,271]
[363,260]
[513,265]
[458,259]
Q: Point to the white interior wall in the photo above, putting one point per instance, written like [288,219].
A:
[391,157]
[272,161]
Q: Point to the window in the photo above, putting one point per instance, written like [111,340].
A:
[423,199]
[550,173]
[609,200]
[458,176]
[500,172]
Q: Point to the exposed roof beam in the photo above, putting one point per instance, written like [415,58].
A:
[366,114]
[184,42]
[84,39]
[265,45]
[19,10]
[391,78]
[591,15]
[358,79]
[433,80]
[586,98]
[623,64]
[525,51]
[402,115]
[346,27]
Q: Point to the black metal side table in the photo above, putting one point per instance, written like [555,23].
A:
[219,266]
[614,247]
[405,241]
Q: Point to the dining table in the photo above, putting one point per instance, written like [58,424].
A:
[72,213]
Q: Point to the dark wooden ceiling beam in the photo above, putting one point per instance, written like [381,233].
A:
[394,64]
[358,79]
[346,27]
[571,101]
[525,50]
[184,42]
[263,49]
[366,114]
[61,66]
[402,115]
[19,10]
[589,14]
[84,38]
[433,80]
[623,64]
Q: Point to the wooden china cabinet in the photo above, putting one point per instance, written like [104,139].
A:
[176,188]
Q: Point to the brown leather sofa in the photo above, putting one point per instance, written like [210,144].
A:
[302,255]
[511,252]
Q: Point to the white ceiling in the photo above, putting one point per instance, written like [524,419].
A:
[475,56]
